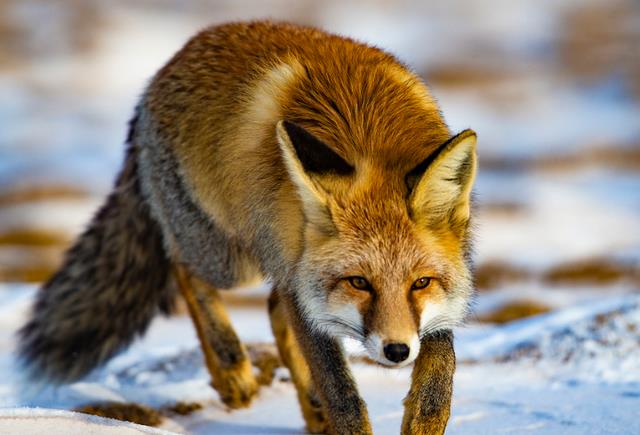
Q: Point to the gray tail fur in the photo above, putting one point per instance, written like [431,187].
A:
[113,281]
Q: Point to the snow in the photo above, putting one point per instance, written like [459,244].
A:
[568,216]
[554,373]
[64,215]
[501,340]
[37,421]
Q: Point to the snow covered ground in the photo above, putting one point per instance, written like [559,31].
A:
[552,90]
[573,371]
[58,422]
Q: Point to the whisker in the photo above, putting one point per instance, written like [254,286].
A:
[345,327]
[438,323]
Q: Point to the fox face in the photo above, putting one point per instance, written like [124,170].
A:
[385,257]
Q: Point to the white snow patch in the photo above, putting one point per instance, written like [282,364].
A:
[58,422]
[580,378]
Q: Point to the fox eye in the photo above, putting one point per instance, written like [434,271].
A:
[421,283]
[359,283]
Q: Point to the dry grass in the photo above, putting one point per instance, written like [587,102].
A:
[136,413]
[614,156]
[29,273]
[620,156]
[263,356]
[77,22]
[594,271]
[182,408]
[132,412]
[21,195]
[601,39]
[503,208]
[34,237]
[493,274]
[513,311]
[465,76]
[597,271]
[31,255]
[40,250]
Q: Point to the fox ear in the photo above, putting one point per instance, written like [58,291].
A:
[315,156]
[441,185]
[306,157]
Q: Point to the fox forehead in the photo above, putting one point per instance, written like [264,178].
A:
[379,241]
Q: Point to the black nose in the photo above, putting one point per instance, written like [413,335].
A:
[396,352]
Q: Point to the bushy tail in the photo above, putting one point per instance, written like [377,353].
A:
[113,281]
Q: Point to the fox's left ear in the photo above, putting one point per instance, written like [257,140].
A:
[441,185]
[307,160]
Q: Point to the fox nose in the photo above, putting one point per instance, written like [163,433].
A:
[396,352]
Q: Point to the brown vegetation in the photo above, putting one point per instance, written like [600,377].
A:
[30,255]
[77,21]
[597,271]
[27,273]
[613,156]
[513,311]
[593,271]
[600,39]
[132,412]
[21,195]
[182,408]
[465,75]
[504,208]
[493,274]
[619,156]
[263,356]
[33,237]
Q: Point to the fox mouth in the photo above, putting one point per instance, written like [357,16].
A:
[391,354]
[388,364]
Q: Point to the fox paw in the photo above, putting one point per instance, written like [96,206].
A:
[414,423]
[237,386]
[314,415]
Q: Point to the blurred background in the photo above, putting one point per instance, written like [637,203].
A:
[551,87]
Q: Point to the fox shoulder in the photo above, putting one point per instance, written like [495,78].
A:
[217,103]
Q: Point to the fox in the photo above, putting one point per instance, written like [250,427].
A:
[271,151]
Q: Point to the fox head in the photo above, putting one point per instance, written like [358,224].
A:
[386,249]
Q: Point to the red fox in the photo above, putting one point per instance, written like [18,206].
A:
[267,150]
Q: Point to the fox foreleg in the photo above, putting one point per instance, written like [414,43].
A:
[291,355]
[226,358]
[345,410]
[428,404]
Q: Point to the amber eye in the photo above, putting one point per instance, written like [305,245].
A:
[359,283]
[421,283]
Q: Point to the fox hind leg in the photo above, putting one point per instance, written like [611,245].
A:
[225,356]
[292,357]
